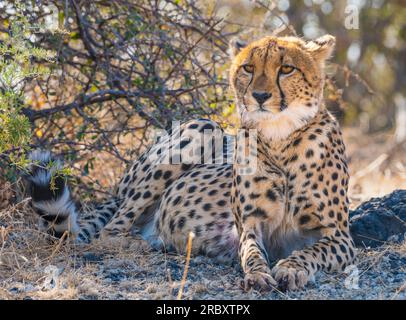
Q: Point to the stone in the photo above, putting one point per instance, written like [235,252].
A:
[379,220]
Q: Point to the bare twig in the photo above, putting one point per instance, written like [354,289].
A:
[185,272]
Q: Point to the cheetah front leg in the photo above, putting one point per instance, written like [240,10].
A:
[333,252]
[254,262]
[258,210]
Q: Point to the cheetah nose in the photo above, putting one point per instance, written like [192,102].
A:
[261,97]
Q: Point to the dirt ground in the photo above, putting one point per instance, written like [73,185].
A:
[33,268]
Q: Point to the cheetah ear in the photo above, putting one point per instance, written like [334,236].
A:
[321,48]
[235,46]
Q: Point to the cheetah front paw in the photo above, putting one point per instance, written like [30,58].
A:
[290,276]
[258,281]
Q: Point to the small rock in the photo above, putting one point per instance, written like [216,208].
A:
[14,290]
[379,220]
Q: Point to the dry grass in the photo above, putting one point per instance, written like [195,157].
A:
[31,267]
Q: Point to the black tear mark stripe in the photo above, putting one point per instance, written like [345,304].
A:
[246,90]
[252,75]
[282,94]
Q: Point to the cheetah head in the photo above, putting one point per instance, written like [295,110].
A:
[278,82]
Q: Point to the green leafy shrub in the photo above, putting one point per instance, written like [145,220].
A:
[20,63]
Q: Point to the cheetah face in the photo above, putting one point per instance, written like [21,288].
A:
[278,82]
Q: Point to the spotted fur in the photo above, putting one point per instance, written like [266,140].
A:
[284,221]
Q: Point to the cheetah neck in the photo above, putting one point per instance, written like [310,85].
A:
[272,146]
[279,127]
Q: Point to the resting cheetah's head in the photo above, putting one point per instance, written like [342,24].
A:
[278,82]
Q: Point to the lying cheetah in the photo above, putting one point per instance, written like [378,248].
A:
[290,208]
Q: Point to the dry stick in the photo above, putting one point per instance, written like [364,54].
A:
[398,291]
[190,49]
[380,255]
[188,252]
[65,234]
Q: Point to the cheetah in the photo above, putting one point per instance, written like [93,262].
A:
[282,213]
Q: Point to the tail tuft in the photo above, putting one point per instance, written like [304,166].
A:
[50,194]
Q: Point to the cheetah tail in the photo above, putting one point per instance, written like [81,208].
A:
[50,194]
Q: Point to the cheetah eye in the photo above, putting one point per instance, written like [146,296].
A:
[249,68]
[285,69]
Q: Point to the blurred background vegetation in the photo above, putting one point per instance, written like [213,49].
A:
[369,64]
[123,68]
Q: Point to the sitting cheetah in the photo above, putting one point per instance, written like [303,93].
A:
[285,207]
